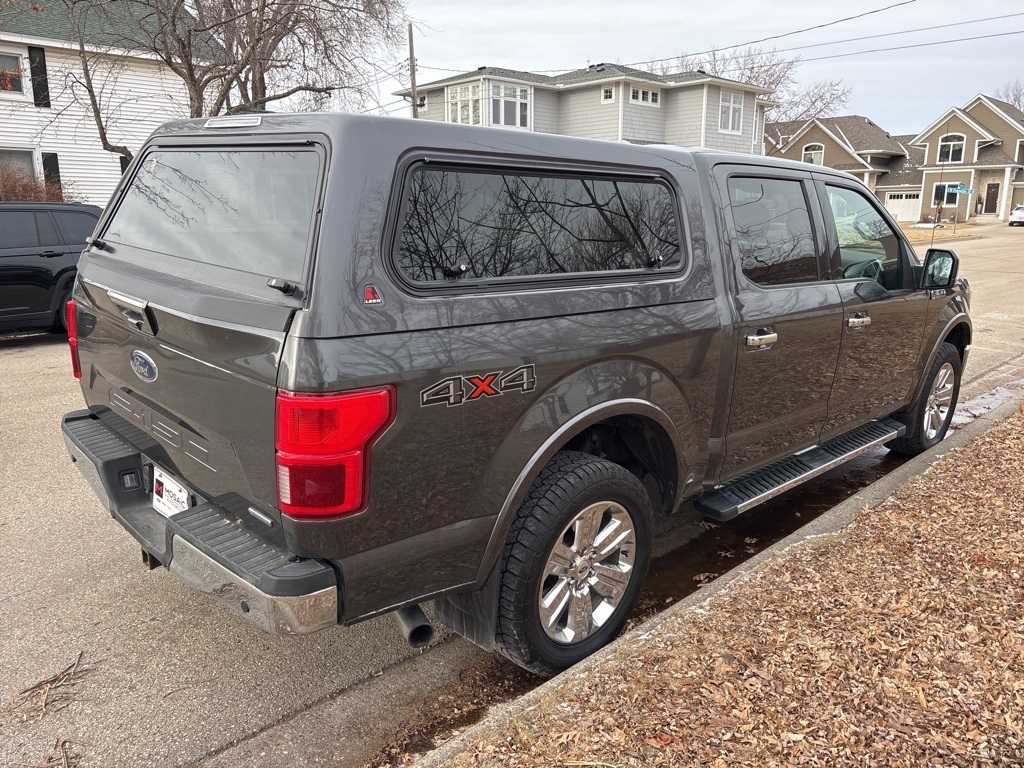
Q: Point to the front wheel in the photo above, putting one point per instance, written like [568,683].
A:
[573,564]
[929,417]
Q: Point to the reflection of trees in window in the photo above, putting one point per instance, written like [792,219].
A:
[498,225]
[773,231]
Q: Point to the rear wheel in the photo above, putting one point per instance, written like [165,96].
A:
[928,418]
[573,564]
[60,322]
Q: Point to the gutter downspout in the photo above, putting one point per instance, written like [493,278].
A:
[704,118]
[1007,194]
[622,109]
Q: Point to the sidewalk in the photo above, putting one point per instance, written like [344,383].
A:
[898,641]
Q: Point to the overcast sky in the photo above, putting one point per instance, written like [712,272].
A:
[901,90]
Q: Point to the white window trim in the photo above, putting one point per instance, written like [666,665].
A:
[26,78]
[732,106]
[36,152]
[448,102]
[945,194]
[489,99]
[963,149]
[640,92]
[803,152]
[613,89]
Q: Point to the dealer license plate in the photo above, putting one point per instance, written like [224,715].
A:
[169,496]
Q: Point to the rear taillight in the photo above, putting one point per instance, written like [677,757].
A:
[323,449]
[72,323]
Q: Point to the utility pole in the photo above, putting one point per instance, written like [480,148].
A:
[412,75]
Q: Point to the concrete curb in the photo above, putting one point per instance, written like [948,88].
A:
[831,522]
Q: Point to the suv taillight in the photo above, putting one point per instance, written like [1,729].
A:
[72,323]
[323,449]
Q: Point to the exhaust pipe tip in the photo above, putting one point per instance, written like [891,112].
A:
[415,626]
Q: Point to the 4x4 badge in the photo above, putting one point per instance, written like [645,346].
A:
[144,366]
[459,389]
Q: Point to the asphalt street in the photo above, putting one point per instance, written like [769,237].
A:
[171,678]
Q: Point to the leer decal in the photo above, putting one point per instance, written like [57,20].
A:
[457,390]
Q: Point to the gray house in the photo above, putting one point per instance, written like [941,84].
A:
[604,101]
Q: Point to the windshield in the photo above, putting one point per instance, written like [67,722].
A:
[248,210]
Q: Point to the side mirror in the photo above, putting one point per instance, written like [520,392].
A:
[940,268]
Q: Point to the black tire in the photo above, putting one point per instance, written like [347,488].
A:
[60,322]
[919,436]
[572,491]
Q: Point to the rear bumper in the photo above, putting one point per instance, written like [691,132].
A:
[214,547]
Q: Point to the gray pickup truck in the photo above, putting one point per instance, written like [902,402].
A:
[336,366]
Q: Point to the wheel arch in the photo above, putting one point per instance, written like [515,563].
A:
[958,332]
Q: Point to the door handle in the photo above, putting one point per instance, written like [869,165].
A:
[763,337]
[858,321]
[51,254]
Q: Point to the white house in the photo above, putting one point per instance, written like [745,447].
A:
[46,126]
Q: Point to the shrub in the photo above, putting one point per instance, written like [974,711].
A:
[17,186]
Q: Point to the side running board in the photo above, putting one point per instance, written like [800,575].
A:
[729,500]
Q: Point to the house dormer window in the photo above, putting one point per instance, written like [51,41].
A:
[814,154]
[730,119]
[510,105]
[12,75]
[464,104]
[951,148]
[647,96]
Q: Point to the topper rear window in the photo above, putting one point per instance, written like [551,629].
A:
[243,209]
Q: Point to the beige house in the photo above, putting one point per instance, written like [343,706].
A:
[979,146]
[604,101]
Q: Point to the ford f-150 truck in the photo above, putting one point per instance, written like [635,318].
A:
[336,366]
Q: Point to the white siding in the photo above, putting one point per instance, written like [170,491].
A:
[584,115]
[545,111]
[140,94]
[736,142]
[684,111]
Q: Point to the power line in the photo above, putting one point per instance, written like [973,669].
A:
[785,34]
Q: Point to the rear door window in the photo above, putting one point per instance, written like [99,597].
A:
[248,210]
[477,225]
[74,226]
[18,230]
[773,230]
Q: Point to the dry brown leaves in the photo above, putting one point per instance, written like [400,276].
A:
[899,643]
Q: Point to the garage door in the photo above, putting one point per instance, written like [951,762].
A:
[905,206]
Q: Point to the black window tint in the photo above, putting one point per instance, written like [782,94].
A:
[74,226]
[47,232]
[245,210]
[18,230]
[495,225]
[773,230]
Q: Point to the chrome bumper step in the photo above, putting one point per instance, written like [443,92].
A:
[737,496]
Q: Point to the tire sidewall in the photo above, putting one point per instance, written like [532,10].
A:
[619,491]
[947,354]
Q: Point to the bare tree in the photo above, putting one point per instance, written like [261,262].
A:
[1012,92]
[767,69]
[245,55]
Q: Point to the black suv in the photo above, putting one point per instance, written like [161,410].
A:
[39,248]
[338,365]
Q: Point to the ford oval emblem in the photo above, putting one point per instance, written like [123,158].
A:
[143,366]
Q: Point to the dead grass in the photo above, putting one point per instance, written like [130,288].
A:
[63,755]
[898,643]
[963,232]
